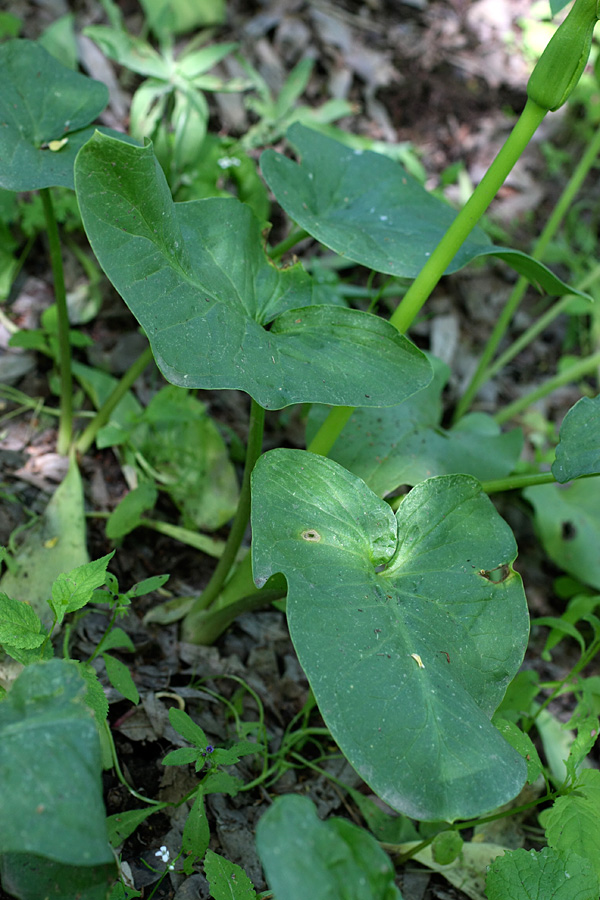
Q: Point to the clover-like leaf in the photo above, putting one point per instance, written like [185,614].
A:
[578,451]
[409,627]
[217,312]
[405,444]
[368,208]
[42,101]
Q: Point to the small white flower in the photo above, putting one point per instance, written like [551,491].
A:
[227,162]
[163,853]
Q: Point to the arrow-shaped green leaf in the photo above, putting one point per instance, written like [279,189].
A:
[217,312]
[368,208]
[409,627]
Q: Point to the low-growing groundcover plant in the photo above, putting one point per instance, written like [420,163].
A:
[405,609]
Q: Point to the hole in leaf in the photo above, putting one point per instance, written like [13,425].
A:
[500,573]
[568,531]
[311,535]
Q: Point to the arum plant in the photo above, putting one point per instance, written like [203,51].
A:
[410,625]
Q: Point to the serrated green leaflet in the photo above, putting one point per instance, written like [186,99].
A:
[368,208]
[407,663]
[19,624]
[567,520]
[227,880]
[48,737]
[42,101]
[405,444]
[305,857]
[573,823]
[578,452]
[543,875]
[196,277]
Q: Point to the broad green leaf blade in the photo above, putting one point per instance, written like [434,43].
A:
[543,875]
[578,451]
[405,444]
[31,877]
[196,277]
[51,798]
[369,209]
[42,101]
[305,857]
[51,546]
[573,823]
[567,520]
[409,628]
[227,881]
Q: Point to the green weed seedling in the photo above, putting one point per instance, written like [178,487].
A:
[406,613]
[55,742]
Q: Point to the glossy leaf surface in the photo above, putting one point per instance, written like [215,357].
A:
[405,444]
[578,452]
[48,737]
[305,857]
[368,208]
[409,627]
[42,101]
[217,313]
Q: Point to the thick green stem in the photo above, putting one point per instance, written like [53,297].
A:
[446,250]
[238,528]
[86,440]
[484,371]
[65,427]
[330,430]
[287,243]
[468,217]
[573,373]
[209,624]
[514,482]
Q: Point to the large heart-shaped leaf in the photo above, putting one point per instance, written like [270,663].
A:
[217,313]
[368,208]
[406,444]
[409,627]
[40,102]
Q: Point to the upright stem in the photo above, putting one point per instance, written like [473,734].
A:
[287,243]
[238,528]
[446,250]
[573,373]
[484,372]
[102,416]
[468,217]
[65,428]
